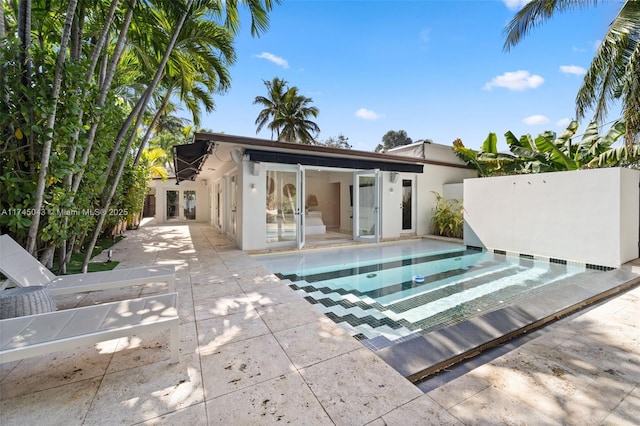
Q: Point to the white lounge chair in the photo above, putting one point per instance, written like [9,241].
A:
[24,270]
[33,335]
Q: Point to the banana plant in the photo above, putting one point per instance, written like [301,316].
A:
[488,161]
[558,150]
[602,155]
[548,153]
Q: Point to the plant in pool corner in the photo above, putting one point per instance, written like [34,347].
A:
[447,218]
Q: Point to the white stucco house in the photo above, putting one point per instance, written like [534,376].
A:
[272,195]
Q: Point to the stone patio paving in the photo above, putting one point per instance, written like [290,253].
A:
[253,352]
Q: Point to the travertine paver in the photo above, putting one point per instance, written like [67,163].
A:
[422,410]
[357,387]
[282,400]
[142,393]
[289,314]
[66,404]
[311,343]
[240,364]
[254,352]
[218,331]
[495,406]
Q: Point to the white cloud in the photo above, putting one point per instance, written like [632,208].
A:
[535,119]
[275,59]
[577,49]
[516,80]
[515,4]
[367,114]
[572,69]
[563,122]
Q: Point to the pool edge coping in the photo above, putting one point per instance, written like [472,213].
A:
[421,357]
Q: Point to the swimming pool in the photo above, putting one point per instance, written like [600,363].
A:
[373,293]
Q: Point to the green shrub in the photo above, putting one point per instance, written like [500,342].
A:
[447,218]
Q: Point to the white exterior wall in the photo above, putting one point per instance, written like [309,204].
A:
[252,224]
[202,198]
[453,191]
[629,215]
[250,215]
[391,204]
[433,180]
[444,153]
[588,216]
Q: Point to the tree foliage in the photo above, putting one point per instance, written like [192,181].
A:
[447,219]
[83,87]
[340,141]
[550,153]
[287,113]
[614,73]
[393,139]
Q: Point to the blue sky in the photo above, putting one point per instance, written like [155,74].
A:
[435,69]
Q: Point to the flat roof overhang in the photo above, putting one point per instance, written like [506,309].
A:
[323,161]
[263,150]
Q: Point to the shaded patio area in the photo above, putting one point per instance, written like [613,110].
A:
[253,351]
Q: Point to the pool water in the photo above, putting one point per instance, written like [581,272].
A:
[372,290]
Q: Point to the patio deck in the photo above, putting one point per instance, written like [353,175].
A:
[254,352]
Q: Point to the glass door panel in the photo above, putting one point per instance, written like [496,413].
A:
[407,205]
[366,206]
[173,205]
[189,205]
[282,206]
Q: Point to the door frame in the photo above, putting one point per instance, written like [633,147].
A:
[411,230]
[300,213]
[357,236]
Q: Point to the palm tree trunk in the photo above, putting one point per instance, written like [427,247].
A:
[48,133]
[3,32]
[147,134]
[67,247]
[147,96]
[105,86]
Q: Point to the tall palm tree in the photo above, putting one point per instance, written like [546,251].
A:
[259,20]
[294,118]
[197,68]
[287,113]
[272,104]
[614,73]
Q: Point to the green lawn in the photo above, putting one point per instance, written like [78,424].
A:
[75,264]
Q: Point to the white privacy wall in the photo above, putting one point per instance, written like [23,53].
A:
[588,216]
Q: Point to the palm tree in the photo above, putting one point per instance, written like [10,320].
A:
[276,90]
[197,69]
[294,118]
[153,161]
[614,73]
[289,112]
[259,20]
